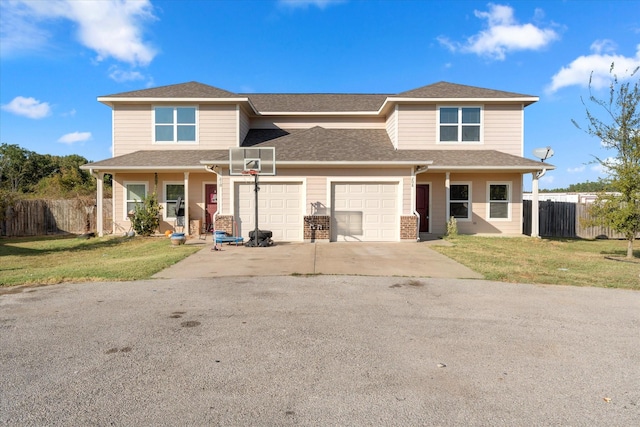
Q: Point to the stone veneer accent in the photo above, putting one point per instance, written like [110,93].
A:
[317,227]
[408,227]
[225,222]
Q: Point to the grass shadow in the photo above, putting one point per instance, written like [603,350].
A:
[8,249]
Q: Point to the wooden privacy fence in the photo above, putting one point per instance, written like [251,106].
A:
[564,219]
[43,217]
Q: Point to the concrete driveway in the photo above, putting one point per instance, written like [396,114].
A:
[319,350]
[353,258]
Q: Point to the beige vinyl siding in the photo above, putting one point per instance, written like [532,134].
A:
[437,209]
[479,224]
[503,128]
[218,127]
[336,122]
[416,127]
[120,224]
[132,128]
[196,195]
[392,127]
[245,125]
[317,190]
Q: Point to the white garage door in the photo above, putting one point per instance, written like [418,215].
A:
[279,210]
[364,212]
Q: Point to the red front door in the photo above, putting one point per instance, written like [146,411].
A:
[211,195]
[422,206]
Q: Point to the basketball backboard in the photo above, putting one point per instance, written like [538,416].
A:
[262,160]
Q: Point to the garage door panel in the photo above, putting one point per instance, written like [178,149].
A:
[372,204]
[365,211]
[279,209]
[276,203]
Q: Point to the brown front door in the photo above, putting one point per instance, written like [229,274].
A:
[422,206]
[211,194]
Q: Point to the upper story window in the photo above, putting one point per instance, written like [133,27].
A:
[459,124]
[174,124]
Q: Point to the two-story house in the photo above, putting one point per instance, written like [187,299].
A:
[348,167]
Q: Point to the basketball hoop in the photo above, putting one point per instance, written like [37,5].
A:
[253,162]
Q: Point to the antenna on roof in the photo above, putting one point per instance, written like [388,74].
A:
[543,153]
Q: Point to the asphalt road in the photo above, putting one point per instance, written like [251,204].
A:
[319,350]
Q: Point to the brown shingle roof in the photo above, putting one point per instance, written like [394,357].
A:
[352,151]
[452,90]
[161,159]
[182,90]
[316,102]
[371,145]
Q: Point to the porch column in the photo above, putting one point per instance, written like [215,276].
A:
[186,202]
[535,225]
[447,186]
[113,203]
[99,202]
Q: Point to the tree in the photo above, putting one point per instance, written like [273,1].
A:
[580,187]
[13,167]
[619,132]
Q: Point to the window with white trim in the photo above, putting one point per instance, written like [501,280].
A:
[134,192]
[173,191]
[499,200]
[460,200]
[174,124]
[459,124]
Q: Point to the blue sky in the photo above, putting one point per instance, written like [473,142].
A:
[58,56]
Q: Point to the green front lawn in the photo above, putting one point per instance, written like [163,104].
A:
[48,260]
[548,261]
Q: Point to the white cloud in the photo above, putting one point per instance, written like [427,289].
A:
[598,63]
[120,76]
[74,137]
[18,33]
[320,4]
[503,35]
[111,28]
[576,169]
[28,107]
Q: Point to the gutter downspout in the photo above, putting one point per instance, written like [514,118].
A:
[535,206]
[415,171]
[212,169]
[99,200]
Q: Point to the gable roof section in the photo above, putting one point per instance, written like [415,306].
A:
[318,144]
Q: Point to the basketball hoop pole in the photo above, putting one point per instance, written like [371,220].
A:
[256,189]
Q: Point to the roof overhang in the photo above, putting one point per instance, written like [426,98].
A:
[112,100]
[392,100]
[523,169]
[107,168]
